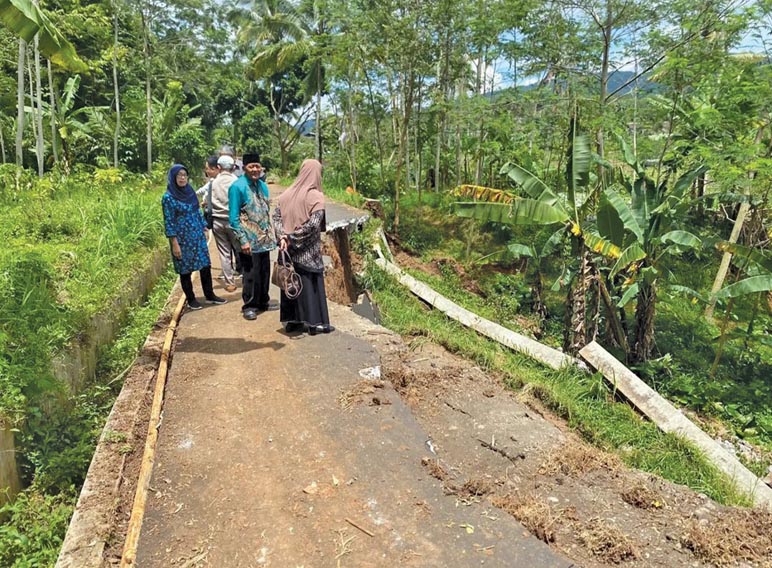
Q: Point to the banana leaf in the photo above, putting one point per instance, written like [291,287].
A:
[579,160]
[686,291]
[685,181]
[629,294]
[630,255]
[613,211]
[552,243]
[748,286]
[682,239]
[25,20]
[519,212]
[531,184]
[519,250]
[754,255]
[482,193]
[599,245]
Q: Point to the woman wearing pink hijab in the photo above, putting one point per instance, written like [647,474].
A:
[299,221]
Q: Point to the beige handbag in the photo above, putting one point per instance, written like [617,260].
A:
[285,277]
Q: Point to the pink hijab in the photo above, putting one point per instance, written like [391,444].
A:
[303,197]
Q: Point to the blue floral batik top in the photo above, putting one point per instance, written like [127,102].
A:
[183,219]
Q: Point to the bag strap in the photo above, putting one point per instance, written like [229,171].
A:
[285,259]
[209,198]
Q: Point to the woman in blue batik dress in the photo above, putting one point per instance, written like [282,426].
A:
[186,231]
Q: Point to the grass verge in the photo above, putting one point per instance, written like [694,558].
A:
[35,523]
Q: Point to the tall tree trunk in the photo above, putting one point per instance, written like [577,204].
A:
[318,129]
[52,112]
[406,150]
[408,102]
[416,148]
[2,143]
[116,89]
[644,323]
[39,142]
[148,92]
[480,92]
[727,258]
[458,94]
[37,135]
[352,134]
[20,104]
[607,29]
[442,88]
[377,119]
[394,109]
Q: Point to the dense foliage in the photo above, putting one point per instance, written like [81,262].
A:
[614,156]
[71,244]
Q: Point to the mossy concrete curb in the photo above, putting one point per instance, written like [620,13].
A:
[77,363]
[98,514]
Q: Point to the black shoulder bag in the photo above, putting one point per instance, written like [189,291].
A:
[208,216]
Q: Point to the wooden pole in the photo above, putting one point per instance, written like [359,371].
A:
[146,469]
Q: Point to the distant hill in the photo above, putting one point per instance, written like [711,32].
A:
[616,80]
[619,78]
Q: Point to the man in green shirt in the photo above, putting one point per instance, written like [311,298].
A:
[250,221]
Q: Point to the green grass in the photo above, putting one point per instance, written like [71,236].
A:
[70,246]
[59,445]
[583,400]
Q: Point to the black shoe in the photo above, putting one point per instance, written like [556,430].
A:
[293,326]
[314,329]
[250,314]
[268,308]
[216,300]
[195,305]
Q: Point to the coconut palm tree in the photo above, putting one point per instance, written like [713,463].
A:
[283,36]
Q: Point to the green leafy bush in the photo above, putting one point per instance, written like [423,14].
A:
[34,529]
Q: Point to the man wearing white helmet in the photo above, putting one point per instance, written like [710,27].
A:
[223,236]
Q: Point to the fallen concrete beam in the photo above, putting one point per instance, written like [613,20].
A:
[530,347]
[669,419]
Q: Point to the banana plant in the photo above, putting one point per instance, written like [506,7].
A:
[72,123]
[24,19]
[757,267]
[545,206]
[646,229]
[172,113]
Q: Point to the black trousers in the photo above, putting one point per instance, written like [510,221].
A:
[206,284]
[257,278]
